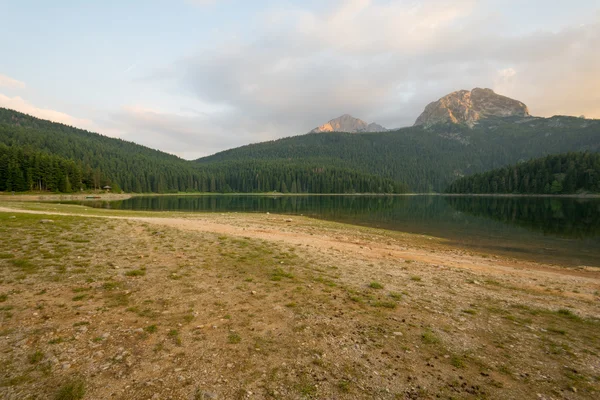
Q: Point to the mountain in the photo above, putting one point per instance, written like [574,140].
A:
[41,155]
[347,123]
[468,107]
[554,174]
[429,159]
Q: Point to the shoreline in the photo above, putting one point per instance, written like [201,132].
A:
[125,196]
[279,306]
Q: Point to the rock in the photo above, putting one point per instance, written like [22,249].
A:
[253,292]
[468,107]
[347,123]
[288,220]
[397,333]
[12,217]
[46,221]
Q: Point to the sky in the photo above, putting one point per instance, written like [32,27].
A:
[194,77]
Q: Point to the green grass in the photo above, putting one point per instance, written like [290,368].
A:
[278,274]
[415,278]
[234,338]
[563,312]
[457,361]
[428,337]
[385,304]
[136,272]
[35,357]
[375,285]
[23,264]
[151,329]
[395,295]
[74,390]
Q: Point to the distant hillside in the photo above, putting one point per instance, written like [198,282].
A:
[429,159]
[40,155]
[555,174]
[133,167]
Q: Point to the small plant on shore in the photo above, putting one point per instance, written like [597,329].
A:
[375,285]
[457,361]
[136,272]
[395,295]
[74,390]
[415,278]
[234,338]
[151,329]
[428,337]
[385,304]
[36,357]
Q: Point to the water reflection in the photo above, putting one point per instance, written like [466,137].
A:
[556,230]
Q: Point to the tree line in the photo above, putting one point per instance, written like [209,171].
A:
[568,173]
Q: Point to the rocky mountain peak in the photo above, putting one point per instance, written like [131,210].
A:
[347,123]
[468,107]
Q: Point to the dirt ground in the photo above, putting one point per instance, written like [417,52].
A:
[101,305]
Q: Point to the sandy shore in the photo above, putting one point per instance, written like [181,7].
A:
[267,306]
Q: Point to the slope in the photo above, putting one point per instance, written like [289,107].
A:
[428,159]
[96,160]
[554,174]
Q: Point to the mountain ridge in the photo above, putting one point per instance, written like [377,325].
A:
[347,123]
[469,107]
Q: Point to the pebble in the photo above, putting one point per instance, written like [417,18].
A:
[397,333]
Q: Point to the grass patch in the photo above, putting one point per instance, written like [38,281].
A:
[385,304]
[395,295]
[136,272]
[234,338]
[415,278]
[151,329]
[375,285]
[428,337]
[278,274]
[74,390]
[457,361]
[556,331]
[563,312]
[23,265]
[35,357]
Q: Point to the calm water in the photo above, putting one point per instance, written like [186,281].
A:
[563,231]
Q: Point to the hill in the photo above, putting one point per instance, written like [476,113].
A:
[555,174]
[73,159]
[429,158]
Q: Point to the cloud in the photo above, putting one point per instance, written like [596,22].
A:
[188,134]
[290,69]
[6,81]
[201,2]
[379,61]
[19,104]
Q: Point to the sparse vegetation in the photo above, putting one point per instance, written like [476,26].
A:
[276,316]
[73,390]
[375,285]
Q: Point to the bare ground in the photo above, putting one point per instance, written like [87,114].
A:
[266,306]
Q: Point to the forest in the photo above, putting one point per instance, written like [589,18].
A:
[409,159]
[428,160]
[45,156]
[568,173]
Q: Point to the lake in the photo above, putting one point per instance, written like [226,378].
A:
[556,230]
